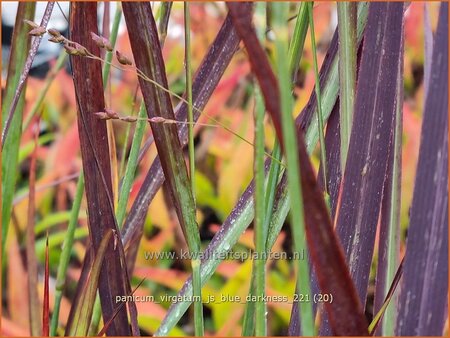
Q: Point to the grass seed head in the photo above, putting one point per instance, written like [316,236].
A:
[129,119]
[53,32]
[101,42]
[101,115]
[38,31]
[70,50]
[158,119]
[31,23]
[123,59]
[57,39]
[112,114]
[82,51]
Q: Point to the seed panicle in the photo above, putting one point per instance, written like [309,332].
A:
[101,42]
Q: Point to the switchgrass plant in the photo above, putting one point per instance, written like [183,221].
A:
[329,205]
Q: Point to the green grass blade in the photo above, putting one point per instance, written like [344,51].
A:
[65,254]
[37,106]
[260,229]
[323,157]
[10,149]
[126,142]
[198,307]
[50,221]
[272,229]
[9,115]
[347,71]
[293,172]
[163,23]
[258,280]
[295,53]
[112,40]
[131,166]
[298,39]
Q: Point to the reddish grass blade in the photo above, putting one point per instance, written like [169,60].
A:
[345,311]
[33,295]
[26,70]
[95,154]
[423,297]
[46,307]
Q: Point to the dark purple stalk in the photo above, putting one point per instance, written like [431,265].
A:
[372,127]
[424,288]
[374,113]
[23,77]
[87,76]
[389,238]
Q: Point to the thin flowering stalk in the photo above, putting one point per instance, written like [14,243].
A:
[27,67]
[109,114]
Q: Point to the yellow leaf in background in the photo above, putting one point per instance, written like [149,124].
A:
[236,286]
